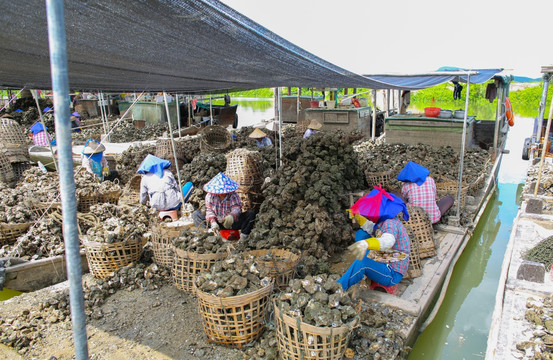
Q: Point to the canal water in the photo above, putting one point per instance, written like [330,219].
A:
[460,328]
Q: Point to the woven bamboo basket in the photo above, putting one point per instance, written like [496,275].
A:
[282,266]
[415,265]
[19,168]
[164,150]
[111,197]
[477,184]
[244,167]
[7,175]
[298,340]
[42,208]
[85,202]
[187,265]
[383,178]
[421,227]
[13,142]
[131,192]
[162,243]
[237,320]
[450,188]
[214,138]
[104,259]
[9,232]
[251,197]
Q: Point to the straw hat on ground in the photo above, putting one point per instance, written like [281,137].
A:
[93,148]
[314,125]
[257,134]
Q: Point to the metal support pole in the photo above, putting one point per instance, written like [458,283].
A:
[498,116]
[35,95]
[462,155]
[178,112]
[373,127]
[298,107]
[190,117]
[60,85]
[536,136]
[280,124]
[210,110]
[173,146]
[544,148]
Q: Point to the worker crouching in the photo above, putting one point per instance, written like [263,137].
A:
[158,185]
[419,189]
[94,161]
[383,233]
[223,208]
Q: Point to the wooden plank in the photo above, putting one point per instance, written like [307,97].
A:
[34,275]
[420,123]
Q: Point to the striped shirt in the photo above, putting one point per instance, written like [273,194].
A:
[423,196]
[41,138]
[403,244]
[215,208]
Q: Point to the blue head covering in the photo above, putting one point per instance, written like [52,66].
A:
[153,164]
[37,127]
[413,172]
[378,205]
[18,110]
[76,114]
[46,109]
[221,184]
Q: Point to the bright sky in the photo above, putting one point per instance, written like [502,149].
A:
[407,36]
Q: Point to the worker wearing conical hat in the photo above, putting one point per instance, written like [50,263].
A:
[94,161]
[380,232]
[313,128]
[223,208]
[261,138]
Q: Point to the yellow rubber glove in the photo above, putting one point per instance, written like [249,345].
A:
[105,171]
[385,242]
[228,221]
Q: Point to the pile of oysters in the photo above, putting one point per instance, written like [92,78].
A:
[237,274]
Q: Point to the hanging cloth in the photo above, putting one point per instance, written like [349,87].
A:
[96,165]
[457,88]
[491,92]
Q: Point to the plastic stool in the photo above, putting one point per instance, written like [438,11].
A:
[392,290]
[169,213]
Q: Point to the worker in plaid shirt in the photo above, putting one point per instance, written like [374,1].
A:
[223,208]
[419,189]
[387,235]
[40,135]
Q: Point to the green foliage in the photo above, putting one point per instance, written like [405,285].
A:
[526,101]
[268,93]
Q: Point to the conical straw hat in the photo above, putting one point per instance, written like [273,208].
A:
[257,134]
[315,125]
[221,184]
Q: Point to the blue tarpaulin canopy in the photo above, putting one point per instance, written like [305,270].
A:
[443,75]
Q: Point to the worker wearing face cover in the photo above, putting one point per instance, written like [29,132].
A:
[94,161]
[419,189]
[381,230]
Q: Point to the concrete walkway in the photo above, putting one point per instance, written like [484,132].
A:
[509,326]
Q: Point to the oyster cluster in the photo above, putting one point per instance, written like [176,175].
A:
[318,300]
[380,334]
[201,242]
[24,330]
[124,132]
[546,180]
[305,201]
[264,348]
[443,162]
[538,315]
[119,223]
[237,274]
[199,171]
[130,159]
[43,239]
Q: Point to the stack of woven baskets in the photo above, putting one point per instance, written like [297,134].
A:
[13,146]
[244,167]
[164,150]
[215,138]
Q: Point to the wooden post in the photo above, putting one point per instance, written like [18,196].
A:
[373,131]
[544,148]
